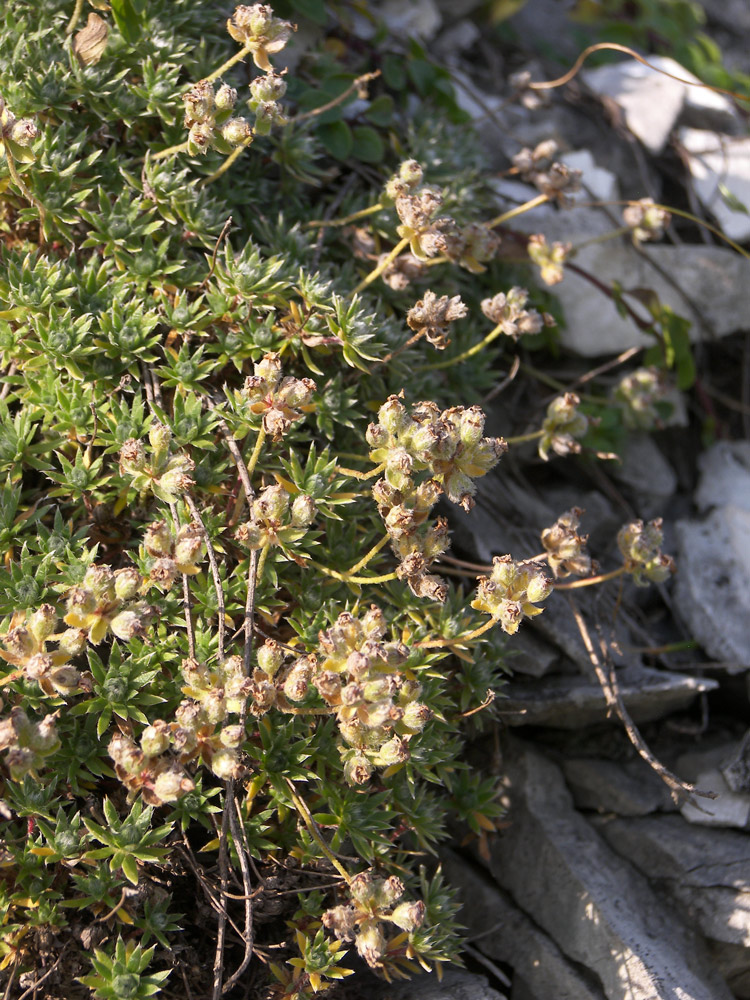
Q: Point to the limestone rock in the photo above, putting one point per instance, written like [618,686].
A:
[456,984]
[712,587]
[627,789]
[716,159]
[725,475]
[597,908]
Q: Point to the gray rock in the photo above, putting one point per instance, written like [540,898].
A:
[652,103]
[716,159]
[735,768]
[597,908]
[725,476]
[506,934]
[419,18]
[531,654]
[712,587]
[729,808]
[597,182]
[645,469]
[572,702]
[706,284]
[456,984]
[705,872]
[630,789]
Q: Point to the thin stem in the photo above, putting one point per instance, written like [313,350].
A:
[601,238]
[252,577]
[228,64]
[458,639]
[357,84]
[228,162]
[467,565]
[213,562]
[331,223]
[590,581]
[259,441]
[383,265]
[362,476]
[262,562]
[179,148]
[522,438]
[221,932]
[240,843]
[449,362]
[348,578]
[75,18]
[373,552]
[301,806]
[518,210]
[248,472]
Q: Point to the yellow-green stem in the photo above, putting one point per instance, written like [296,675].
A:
[383,265]
[602,238]
[362,476]
[261,562]
[301,806]
[227,65]
[347,578]
[370,555]
[228,162]
[458,639]
[179,148]
[259,441]
[449,362]
[76,16]
[590,581]
[518,210]
[521,438]
[331,223]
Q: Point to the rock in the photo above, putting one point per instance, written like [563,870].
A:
[629,789]
[645,469]
[725,476]
[736,768]
[705,872]
[458,38]
[712,587]
[716,159]
[598,184]
[456,984]
[419,18]
[530,654]
[573,702]
[714,278]
[652,103]
[597,908]
[727,809]
[515,939]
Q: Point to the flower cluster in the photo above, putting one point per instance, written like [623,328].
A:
[106,602]
[511,592]
[429,235]
[173,554]
[554,179]
[644,397]
[276,519]
[265,94]
[166,475]
[562,426]
[548,257]
[27,742]
[200,729]
[430,317]
[507,311]
[566,548]
[26,649]
[640,545]
[210,121]
[374,901]
[280,399]
[17,131]
[646,220]
[256,29]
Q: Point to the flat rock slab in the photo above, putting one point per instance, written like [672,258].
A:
[626,789]
[598,909]
[725,476]
[715,159]
[712,588]
[456,984]
[706,872]
[515,939]
[571,702]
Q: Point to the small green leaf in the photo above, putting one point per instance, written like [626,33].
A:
[127,20]
[394,72]
[337,139]
[368,146]
[731,200]
[380,111]
[130,869]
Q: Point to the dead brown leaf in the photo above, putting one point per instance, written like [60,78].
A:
[90,42]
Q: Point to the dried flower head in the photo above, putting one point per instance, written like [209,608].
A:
[430,317]
[281,399]
[565,547]
[640,545]
[548,257]
[507,311]
[646,398]
[562,426]
[512,591]
[646,220]
[256,28]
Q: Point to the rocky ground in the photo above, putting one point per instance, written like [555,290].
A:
[608,880]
